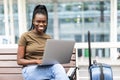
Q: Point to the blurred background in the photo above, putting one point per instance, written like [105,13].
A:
[68,20]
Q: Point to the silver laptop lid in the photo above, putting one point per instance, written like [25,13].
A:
[58,51]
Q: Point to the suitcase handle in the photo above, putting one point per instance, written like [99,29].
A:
[89,49]
[101,70]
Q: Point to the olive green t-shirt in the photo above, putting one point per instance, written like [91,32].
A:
[34,44]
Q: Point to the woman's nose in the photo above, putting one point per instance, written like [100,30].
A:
[41,24]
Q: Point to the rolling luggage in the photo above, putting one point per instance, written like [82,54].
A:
[98,71]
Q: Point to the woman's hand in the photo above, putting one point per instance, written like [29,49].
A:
[38,61]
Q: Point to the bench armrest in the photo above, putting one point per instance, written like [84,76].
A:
[72,73]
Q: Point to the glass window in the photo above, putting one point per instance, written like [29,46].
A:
[8,22]
[2,21]
[15,20]
[118,21]
[76,19]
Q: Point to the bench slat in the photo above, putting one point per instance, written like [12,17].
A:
[11,77]
[71,64]
[10,70]
[14,57]
[9,64]
[8,57]
[8,51]
[73,57]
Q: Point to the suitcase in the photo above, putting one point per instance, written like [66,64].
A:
[98,71]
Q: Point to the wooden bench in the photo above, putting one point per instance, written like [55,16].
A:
[9,70]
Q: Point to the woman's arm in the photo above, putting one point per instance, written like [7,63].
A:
[20,57]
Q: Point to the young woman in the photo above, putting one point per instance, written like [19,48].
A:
[31,47]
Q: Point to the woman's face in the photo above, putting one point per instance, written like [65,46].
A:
[40,23]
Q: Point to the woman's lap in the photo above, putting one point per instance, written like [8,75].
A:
[52,72]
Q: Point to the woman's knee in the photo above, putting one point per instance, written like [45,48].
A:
[58,68]
[59,72]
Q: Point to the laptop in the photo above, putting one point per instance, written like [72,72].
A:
[57,51]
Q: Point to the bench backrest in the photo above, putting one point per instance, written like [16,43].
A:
[9,70]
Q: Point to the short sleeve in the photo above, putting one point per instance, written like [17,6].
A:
[22,41]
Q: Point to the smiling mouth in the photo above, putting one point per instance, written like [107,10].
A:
[40,28]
